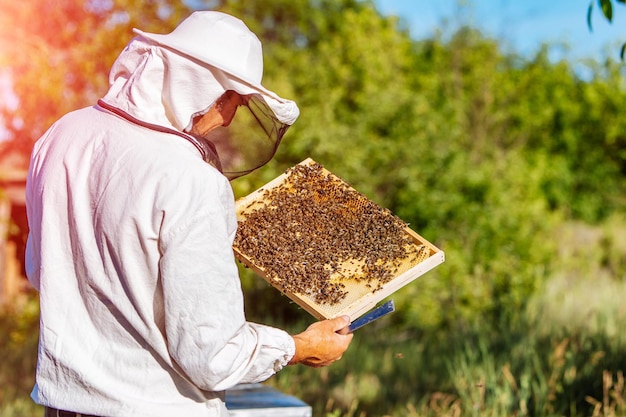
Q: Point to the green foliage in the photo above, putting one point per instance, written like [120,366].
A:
[481,152]
[606,6]
[484,154]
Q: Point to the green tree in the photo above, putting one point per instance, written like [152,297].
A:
[477,150]
[421,129]
[606,7]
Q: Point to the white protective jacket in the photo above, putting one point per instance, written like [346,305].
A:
[130,247]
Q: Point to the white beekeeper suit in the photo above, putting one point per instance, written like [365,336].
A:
[131,232]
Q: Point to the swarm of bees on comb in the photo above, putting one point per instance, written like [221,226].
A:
[313,232]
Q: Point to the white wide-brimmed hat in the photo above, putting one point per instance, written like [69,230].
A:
[225,42]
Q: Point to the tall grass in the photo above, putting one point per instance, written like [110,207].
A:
[523,370]
[564,354]
[19,334]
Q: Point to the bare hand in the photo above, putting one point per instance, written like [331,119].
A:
[322,343]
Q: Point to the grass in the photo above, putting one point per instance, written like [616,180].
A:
[19,327]
[564,354]
[518,372]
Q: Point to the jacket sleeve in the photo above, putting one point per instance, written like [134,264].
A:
[206,329]
[34,212]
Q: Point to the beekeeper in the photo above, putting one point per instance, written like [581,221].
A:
[132,219]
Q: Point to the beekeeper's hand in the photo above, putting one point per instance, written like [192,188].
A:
[322,343]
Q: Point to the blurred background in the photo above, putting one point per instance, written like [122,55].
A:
[493,128]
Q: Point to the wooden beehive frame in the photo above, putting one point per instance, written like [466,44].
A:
[360,298]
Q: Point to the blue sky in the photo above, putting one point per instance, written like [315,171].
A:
[521,25]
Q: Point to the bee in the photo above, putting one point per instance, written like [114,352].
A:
[313,227]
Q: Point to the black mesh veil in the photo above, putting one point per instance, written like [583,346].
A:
[251,139]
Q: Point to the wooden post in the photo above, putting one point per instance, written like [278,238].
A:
[5,221]
[13,172]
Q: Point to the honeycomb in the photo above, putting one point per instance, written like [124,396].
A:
[321,242]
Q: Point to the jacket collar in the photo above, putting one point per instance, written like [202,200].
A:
[205,147]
